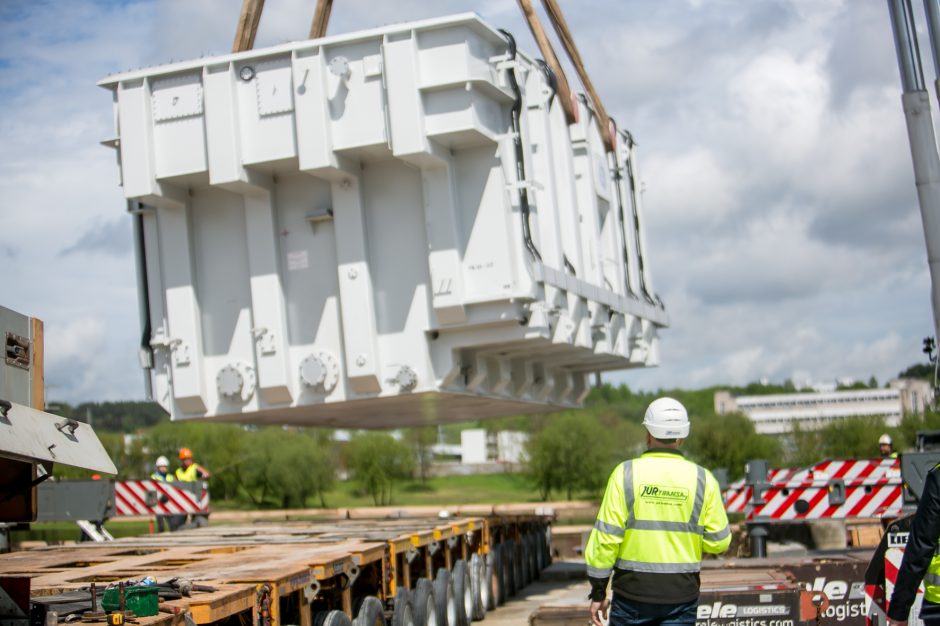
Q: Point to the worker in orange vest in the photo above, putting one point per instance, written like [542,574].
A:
[190,471]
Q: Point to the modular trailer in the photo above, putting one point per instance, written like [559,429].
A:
[306,572]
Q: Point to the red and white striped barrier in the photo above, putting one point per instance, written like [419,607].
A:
[871,488]
[131,498]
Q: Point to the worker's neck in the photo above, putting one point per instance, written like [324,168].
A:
[655,444]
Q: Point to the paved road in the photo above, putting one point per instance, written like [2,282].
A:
[555,587]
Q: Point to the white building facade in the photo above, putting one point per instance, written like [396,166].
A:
[779,413]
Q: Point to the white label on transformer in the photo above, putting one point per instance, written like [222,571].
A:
[297,260]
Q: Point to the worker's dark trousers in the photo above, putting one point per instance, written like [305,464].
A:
[930,613]
[624,612]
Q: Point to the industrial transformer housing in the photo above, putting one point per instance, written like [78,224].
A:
[384,228]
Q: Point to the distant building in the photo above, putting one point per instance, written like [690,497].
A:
[503,447]
[777,413]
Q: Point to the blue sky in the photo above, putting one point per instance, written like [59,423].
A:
[782,224]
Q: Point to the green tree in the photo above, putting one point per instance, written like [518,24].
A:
[924,371]
[421,440]
[573,452]
[376,461]
[303,468]
[846,438]
[911,424]
[728,441]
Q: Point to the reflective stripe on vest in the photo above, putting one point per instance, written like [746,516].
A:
[161,478]
[610,529]
[932,581]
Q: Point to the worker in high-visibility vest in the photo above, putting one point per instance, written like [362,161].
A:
[161,473]
[886,447]
[659,513]
[190,471]
[161,470]
[921,559]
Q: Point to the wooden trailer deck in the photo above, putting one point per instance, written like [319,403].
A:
[285,573]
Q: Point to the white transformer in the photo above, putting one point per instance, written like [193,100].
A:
[386,228]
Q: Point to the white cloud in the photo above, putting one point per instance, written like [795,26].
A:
[692,187]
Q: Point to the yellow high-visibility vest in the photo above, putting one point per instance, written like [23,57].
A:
[659,513]
[188,475]
[164,479]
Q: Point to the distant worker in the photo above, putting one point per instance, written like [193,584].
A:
[659,513]
[162,474]
[189,471]
[921,560]
[886,446]
[162,470]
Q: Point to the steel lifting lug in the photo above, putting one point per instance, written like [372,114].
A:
[452,542]
[411,554]
[470,538]
[434,547]
[311,591]
[5,406]
[69,425]
[351,576]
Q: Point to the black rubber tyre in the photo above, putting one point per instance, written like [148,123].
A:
[494,565]
[404,611]
[446,601]
[463,592]
[547,545]
[478,585]
[518,566]
[425,603]
[331,618]
[370,612]
[540,548]
[532,549]
[524,560]
[509,581]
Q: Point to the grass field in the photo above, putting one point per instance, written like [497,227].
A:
[482,488]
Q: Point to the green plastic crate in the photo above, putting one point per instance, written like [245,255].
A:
[142,600]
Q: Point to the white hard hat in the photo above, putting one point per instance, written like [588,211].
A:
[162,461]
[884,439]
[667,419]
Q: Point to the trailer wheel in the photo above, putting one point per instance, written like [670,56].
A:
[509,581]
[478,585]
[331,618]
[532,547]
[494,565]
[524,560]
[446,601]
[425,603]
[404,612]
[370,613]
[540,548]
[463,592]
